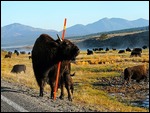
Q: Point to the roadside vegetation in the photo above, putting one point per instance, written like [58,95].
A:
[89,69]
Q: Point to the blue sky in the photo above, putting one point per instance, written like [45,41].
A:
[51,14]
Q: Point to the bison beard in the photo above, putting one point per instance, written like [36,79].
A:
[46,53]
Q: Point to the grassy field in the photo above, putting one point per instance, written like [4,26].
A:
[88,68]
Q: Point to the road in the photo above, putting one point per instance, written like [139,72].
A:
[19,98]
[14,100]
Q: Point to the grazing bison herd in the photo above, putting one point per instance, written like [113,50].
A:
[47,53]
[135,52]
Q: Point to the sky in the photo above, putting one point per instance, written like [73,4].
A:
[51,14]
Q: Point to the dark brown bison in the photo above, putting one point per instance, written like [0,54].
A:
[22,52]
[121,51]
[144,47]
[137,49]
[65,79]
[18,68]
[46,53]
[7,56]
[16,52]
[136,73]
[30,57]
[128,49]
[136,52]
[89,52]
[107,49]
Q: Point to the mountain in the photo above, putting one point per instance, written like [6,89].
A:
[17,34]
[106,24]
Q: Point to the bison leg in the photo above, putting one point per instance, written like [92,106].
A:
[42,88]
[129,80]
[145,79]
[52,90]
[41,91]
[62,92]
[69,94]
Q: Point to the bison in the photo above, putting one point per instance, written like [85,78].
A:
[136,52]
[7,56]
[121,51]
[16,52]
[30,57]
[136,73]
[89,52]
[107,49]
[65,79]
[18,68]
[144,47]
[46,53]
[128,49]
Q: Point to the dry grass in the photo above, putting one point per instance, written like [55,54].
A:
[88,69]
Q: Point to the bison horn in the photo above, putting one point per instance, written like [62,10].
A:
[59,38]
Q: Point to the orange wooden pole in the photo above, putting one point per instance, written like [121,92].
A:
[59,64]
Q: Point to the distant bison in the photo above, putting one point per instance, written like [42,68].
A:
[46,53]
[7,56]
[136,73]
[107,49]
[18,68]
[114,49]
[100,49]
[136,52]
[121,51]
[16,52]
[144,47]
[30,57]
[89,52]
[22,52]
[128,49]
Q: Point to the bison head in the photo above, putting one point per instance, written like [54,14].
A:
[67,50]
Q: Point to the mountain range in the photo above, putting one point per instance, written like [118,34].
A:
[17,34]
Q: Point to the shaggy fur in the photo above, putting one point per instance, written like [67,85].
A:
[46,53]
[136,73]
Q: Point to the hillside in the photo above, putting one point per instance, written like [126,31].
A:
[116,40]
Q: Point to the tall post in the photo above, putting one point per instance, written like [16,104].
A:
[59,64]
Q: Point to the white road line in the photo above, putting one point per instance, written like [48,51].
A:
[13,104]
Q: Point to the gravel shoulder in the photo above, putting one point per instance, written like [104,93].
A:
[41,104]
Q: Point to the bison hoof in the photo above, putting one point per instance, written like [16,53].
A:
[70,99]
[61,97]
[41,95]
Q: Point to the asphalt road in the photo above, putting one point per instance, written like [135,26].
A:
[15,101]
